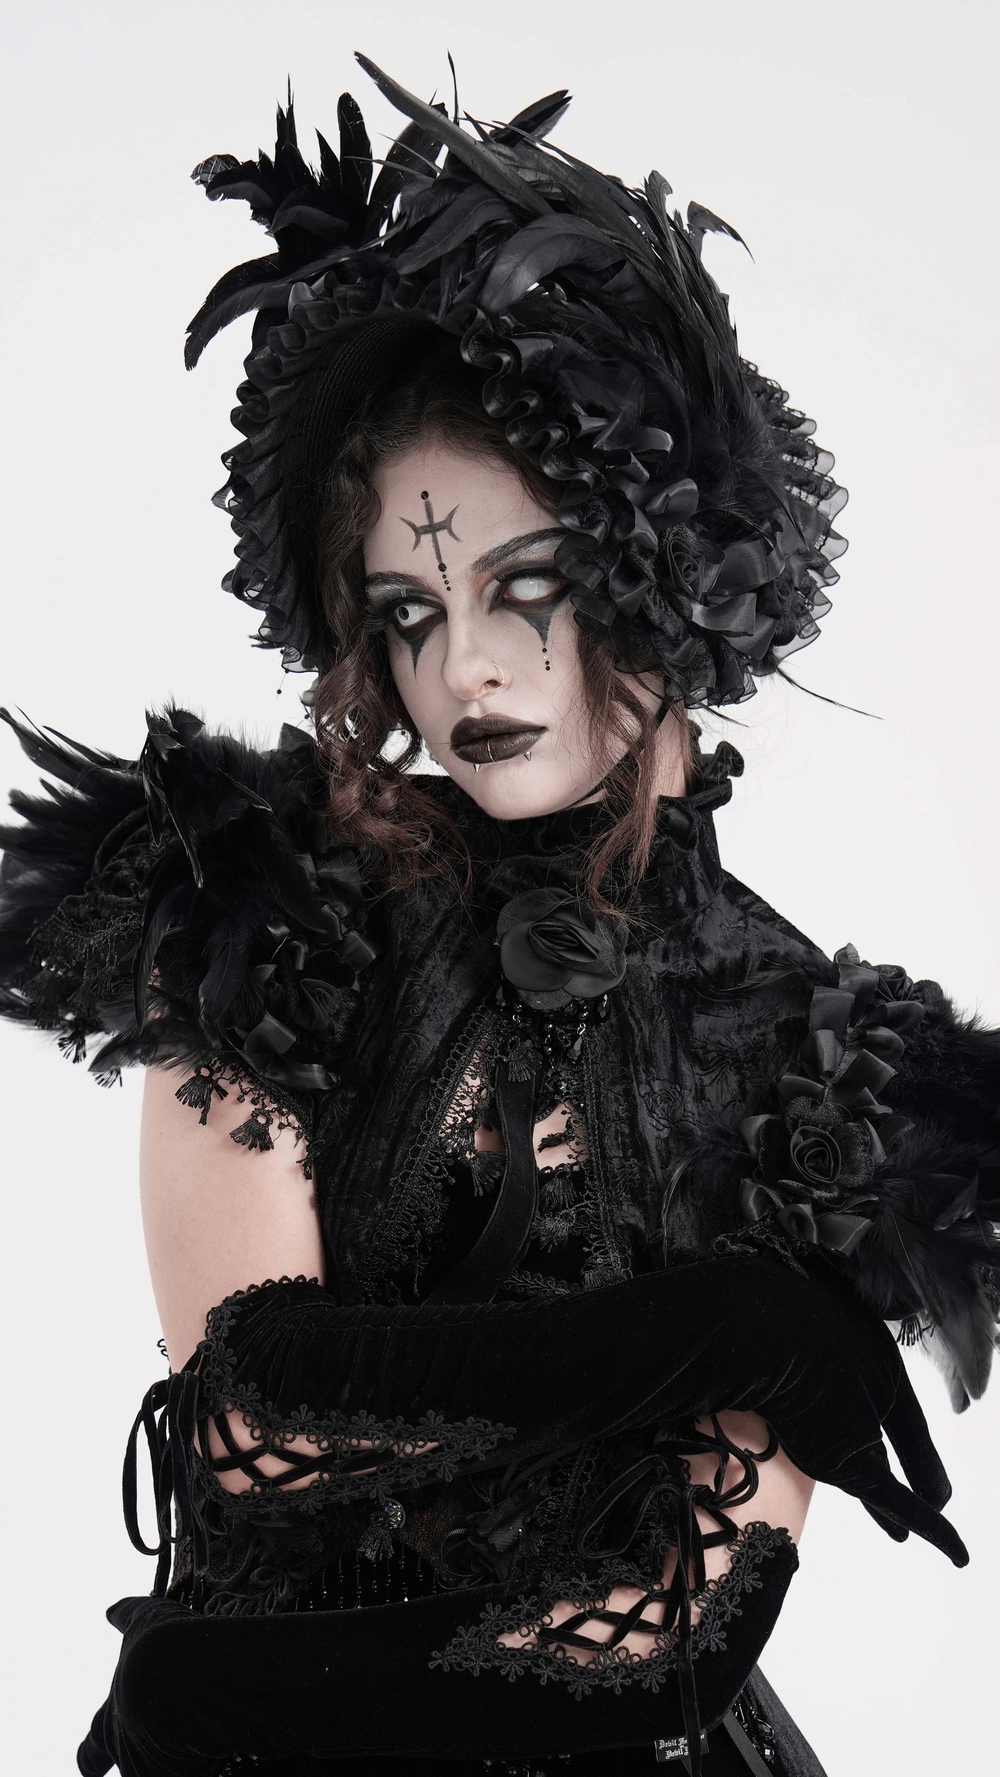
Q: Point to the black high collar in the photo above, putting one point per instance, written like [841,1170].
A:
[683,872]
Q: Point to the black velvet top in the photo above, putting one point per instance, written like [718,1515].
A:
[200,884]
[712,1004]
[711,1087]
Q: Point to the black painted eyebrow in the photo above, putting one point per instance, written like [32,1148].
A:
[506,552]
[375,583]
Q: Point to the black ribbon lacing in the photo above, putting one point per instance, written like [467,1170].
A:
[662,1475]
[170,1418]
[176,1427]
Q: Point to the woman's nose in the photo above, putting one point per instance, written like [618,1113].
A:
[469,669]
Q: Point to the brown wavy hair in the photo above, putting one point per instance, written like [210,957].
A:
[375,801]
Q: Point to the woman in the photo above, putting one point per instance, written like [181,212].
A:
[587,1180]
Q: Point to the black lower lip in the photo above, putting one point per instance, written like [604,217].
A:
[493,748]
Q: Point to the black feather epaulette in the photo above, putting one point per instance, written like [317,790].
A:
[188,908]
[880,1151]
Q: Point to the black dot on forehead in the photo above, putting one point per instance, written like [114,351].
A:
[425,495]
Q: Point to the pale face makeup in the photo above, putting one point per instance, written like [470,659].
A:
[482,641]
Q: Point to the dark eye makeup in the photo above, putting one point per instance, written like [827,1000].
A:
[528,588]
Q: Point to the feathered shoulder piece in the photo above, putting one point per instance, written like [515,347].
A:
[879,1150]
[697,507]
[186,907]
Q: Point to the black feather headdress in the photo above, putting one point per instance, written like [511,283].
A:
[696,507]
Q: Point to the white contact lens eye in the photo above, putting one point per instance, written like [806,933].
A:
[529,587]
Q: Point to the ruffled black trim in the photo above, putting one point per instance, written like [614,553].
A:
[187,908]
[852,1163]
[698,510]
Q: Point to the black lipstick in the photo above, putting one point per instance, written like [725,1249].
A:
[486,740]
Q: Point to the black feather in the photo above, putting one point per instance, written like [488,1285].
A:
[535,121]
[701,222]
[148,904]
[355,153]
[486,165]
[170,902]
[242,289]
[414,148]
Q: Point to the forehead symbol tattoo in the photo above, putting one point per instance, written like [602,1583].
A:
[432,529]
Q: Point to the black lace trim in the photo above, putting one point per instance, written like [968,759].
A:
[475,1647]
[342,1435]
[407,1221]
[217,1078]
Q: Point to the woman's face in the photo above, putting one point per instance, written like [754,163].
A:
[481,635]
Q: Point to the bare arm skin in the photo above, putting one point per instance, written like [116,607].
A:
[216,1218]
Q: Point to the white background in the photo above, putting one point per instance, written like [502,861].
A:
[850,145]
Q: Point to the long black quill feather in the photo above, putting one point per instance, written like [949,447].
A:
[478,159]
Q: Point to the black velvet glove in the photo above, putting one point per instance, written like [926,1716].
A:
[326,1685]
[816,1364]
[490,1385]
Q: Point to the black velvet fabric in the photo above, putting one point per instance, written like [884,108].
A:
[732,1333]
[190,1690]
[769,1152]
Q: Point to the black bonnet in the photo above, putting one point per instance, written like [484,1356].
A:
[696,506]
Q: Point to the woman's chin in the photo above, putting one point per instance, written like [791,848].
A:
[516,789]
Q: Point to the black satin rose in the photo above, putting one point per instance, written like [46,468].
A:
[816,1156]
[554,948]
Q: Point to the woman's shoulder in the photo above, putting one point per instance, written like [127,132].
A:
[185,906]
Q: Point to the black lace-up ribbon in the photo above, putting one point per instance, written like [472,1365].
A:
[169,1417]
[175,1424]
[628,1501]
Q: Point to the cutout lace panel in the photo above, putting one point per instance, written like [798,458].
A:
[350,1456]
[408,1219]
[475,1647]
[579,1197]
